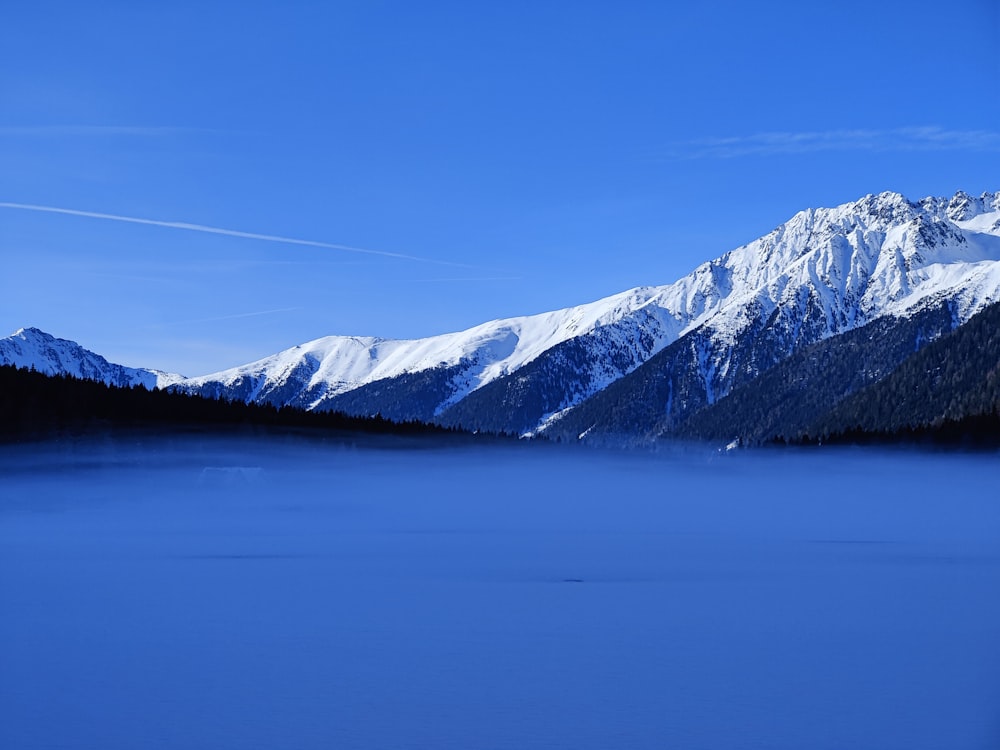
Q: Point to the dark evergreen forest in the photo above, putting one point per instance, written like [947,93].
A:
[34,405]
[947,393]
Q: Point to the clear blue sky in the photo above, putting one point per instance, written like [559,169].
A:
[525,156]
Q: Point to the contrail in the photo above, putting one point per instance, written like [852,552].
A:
[229,317]
[229,233]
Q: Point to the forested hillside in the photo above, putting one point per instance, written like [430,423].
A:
[789,398]
[952,379]
[36,405]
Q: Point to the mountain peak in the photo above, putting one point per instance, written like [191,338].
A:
[32,331]
[32,347]
[964,207]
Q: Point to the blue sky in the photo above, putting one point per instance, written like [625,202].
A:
[499,159]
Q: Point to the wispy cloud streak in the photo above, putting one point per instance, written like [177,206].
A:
[231,317]
[929,138]
[230,233]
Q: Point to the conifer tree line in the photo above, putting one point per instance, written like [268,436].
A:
[34,405]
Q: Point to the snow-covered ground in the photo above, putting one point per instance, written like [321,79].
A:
[184,593]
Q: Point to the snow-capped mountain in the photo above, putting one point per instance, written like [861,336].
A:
[823,272]
[31,348]
[637,322]
[643,359]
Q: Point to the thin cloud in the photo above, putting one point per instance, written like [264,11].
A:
[929,138]
[232,317]
[230,233]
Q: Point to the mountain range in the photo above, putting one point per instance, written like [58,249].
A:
[786,328]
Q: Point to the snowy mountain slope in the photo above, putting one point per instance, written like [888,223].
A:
[880,255]
[823,272]
[32,348]
[312,375]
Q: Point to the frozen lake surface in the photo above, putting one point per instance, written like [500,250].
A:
[282,593]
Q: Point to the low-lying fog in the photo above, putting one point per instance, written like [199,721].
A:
[284,593]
